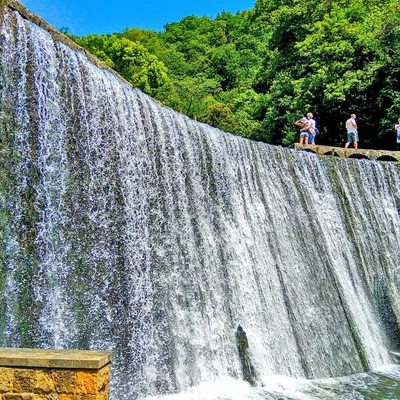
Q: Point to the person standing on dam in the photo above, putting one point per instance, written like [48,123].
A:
[352,132]
[312,130]
[397,128]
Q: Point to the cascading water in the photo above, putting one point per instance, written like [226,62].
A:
[126,226]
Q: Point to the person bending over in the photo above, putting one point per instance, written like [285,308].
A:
[304,130]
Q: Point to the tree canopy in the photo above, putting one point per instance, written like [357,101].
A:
[256,72]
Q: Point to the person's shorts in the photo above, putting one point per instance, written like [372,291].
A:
[310,138]
[303,134]
[352,137]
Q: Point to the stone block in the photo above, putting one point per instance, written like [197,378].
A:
[103,378]
[85,383]
[67,397]
[24,381]
[65,359]
[23,377]
[19,396]
[6,378]
[103,395]
[44,382]
[64,382]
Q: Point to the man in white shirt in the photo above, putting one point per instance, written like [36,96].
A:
[352,133]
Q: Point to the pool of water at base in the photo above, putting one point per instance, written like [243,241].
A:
[382,384]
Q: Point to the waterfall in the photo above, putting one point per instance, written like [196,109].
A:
[126,226]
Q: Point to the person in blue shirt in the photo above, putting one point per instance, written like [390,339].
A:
[397,128]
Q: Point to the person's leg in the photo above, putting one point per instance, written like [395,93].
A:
[349,140]
[303,137]
[355,140]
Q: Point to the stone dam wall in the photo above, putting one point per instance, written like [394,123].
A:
[30,374]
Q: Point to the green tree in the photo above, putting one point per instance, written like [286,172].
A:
[220,116]
[256,72]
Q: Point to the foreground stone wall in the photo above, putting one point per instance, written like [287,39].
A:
[79,378]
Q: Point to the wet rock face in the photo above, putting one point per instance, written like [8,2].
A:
[242,346]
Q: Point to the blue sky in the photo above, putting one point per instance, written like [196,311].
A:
[85,17]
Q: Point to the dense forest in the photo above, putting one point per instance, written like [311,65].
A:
[256,72]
